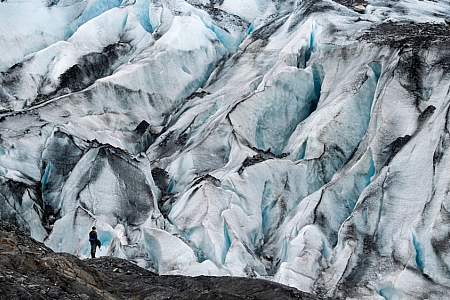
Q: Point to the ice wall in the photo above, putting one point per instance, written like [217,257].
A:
[304,141]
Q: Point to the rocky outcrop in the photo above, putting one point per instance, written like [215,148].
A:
[30,270]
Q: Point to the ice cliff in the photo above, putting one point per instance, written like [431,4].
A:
[305,142]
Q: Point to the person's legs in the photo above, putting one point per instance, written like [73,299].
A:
[93,246]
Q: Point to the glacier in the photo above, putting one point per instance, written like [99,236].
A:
[305,142]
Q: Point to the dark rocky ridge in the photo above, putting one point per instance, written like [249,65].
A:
[30,270]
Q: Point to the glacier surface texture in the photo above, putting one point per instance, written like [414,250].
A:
[305,142]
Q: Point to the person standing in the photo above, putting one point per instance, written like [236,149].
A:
[93,239]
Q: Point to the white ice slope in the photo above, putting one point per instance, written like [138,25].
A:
[305,142]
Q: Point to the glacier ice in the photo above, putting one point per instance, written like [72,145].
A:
[304,142]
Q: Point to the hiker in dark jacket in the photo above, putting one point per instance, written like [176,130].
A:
[94,241]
